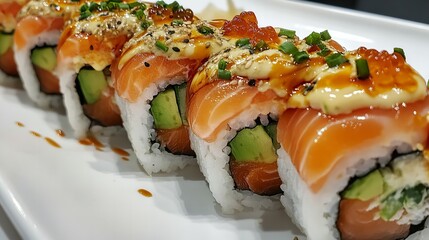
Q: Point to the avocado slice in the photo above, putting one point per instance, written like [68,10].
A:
[165,111]
[44,57]
[365,188]
[253,145]
[6,41]
[91,83]
[271,129]
[180,91]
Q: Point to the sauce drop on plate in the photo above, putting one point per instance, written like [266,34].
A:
[145,192]
[120,152]
[36,134]
[60,133]
[20,124]
[91,140]
[125,158]
[52,142]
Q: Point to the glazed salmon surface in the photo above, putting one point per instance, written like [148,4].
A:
[31,26]
[213,106]
[319,143]
[356,222]
[146,68]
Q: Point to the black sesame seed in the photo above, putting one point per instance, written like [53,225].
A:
[91,47]
[252,82]
[146,64]
[186,40]
[119,22]
[170,32]
[176,49]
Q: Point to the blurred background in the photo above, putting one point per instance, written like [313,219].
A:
[415,10]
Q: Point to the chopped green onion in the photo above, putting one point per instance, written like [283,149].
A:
[325,35]
[300,57]
[84,8]
[161,46]
[324,51]
[335,59]
[205,30]
[161,3]
[103,6]
[124,6]
[134,4]
[145,24]
[84,15]
[224,74]
[362,68]
[261,46]
[288,48]
[400,51]
[115,1]
[222,64]
[140,14]
[242,42]
[313,39]
[93,6]
[176,22]
[174,6]
[112,5]
[288,33]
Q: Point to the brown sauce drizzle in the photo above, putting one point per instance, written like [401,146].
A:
[145,192]
[52,142]
[125,158]
[20,124]
[91,140]
[36,134]
[120,152]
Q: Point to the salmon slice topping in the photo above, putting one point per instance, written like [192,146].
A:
[318,143]
[32,26]
[146,68]
[213,106]
[260,178]
[356,222]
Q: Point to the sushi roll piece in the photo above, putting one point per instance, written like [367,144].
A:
[8,13]
[36,37]
[233,109]
[353,155]
[86,49]
[150,80]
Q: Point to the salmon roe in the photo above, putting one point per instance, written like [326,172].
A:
[245,25]
[161,14]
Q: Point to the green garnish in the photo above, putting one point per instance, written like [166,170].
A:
[313,39]
[161,46]
[324,51]
[335,59]
[400,51]
[140,14]
[134,4]
[300,57]
[145,24]
[222,64]
[84,15]
[205,30]
[242,42]
[93,7]
[161,3]
[288,33]
[362,68]
[224,74]
[261,46]
[325,35]
[84,8]
[174,6]
[124,6]
[288,48]
[177,22]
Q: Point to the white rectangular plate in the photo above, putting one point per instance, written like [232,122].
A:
[78,192]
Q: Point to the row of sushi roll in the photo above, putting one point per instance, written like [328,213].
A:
[337,137]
